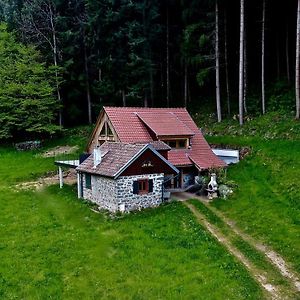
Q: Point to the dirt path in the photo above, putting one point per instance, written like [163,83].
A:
[60,150]
[273,257]
[261,277]
[69,178]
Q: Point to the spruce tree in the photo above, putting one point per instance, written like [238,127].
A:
[27,102]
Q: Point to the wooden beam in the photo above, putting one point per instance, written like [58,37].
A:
[61,179]
[79,185]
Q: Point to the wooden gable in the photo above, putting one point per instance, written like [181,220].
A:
[103,132]
[148,163]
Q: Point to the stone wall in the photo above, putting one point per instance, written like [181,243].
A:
[112,194]
[135,201]
[103,192]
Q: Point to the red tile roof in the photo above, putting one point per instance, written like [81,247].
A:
[164,123]
[159,145]
[116,156]
[130,128]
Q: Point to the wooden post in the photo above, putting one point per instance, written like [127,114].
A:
[181,178]
[79,186]
[61,180]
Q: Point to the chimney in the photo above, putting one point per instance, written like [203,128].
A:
[97,156]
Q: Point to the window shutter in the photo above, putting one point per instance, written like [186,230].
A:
[135,187]
[150,185]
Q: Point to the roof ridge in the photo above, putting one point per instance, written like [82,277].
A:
[182,122]
[146,108]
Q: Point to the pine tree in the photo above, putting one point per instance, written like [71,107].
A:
[27,102]
[38,23]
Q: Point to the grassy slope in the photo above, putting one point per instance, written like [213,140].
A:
[52,245]
[267,202]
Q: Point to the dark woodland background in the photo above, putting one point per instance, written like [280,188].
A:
[158,53]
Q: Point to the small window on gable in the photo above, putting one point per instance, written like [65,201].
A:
[102,133]
[143,186]
[109,132]
[88,181]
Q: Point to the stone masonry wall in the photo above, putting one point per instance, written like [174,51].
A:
[135,201]
[103,192]
[110,194]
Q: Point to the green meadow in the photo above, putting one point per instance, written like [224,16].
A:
[53,246]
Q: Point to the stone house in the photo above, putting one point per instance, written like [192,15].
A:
[188,150]
[136,154]
[125,176]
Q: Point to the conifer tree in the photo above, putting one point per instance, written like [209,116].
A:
[27,102]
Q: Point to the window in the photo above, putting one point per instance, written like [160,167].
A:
[180,143]
[172,144]
[88,181]
[106,133]
[103,133]
[143,186]
[109,132]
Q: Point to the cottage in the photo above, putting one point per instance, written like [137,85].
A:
[136,155]
[123,176]
[188,150]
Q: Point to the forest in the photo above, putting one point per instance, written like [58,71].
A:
[234,58]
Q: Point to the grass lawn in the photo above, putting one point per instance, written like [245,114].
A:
[266,203]
[53,246]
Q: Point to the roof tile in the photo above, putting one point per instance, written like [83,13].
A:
[130,128]
[164,123]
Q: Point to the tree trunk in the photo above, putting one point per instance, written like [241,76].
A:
[287,50]
[297,83]
[217,54]
[99,74]
[87,84]
[226,64]
[123,98]
[241,63]
[278,56]
[263,101]
[60,117]
[245,72]
[185,84]
[146,100]
[168,59]
[151,79]
[54,48]
[151,87]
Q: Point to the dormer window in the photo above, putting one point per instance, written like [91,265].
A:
[177,143]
